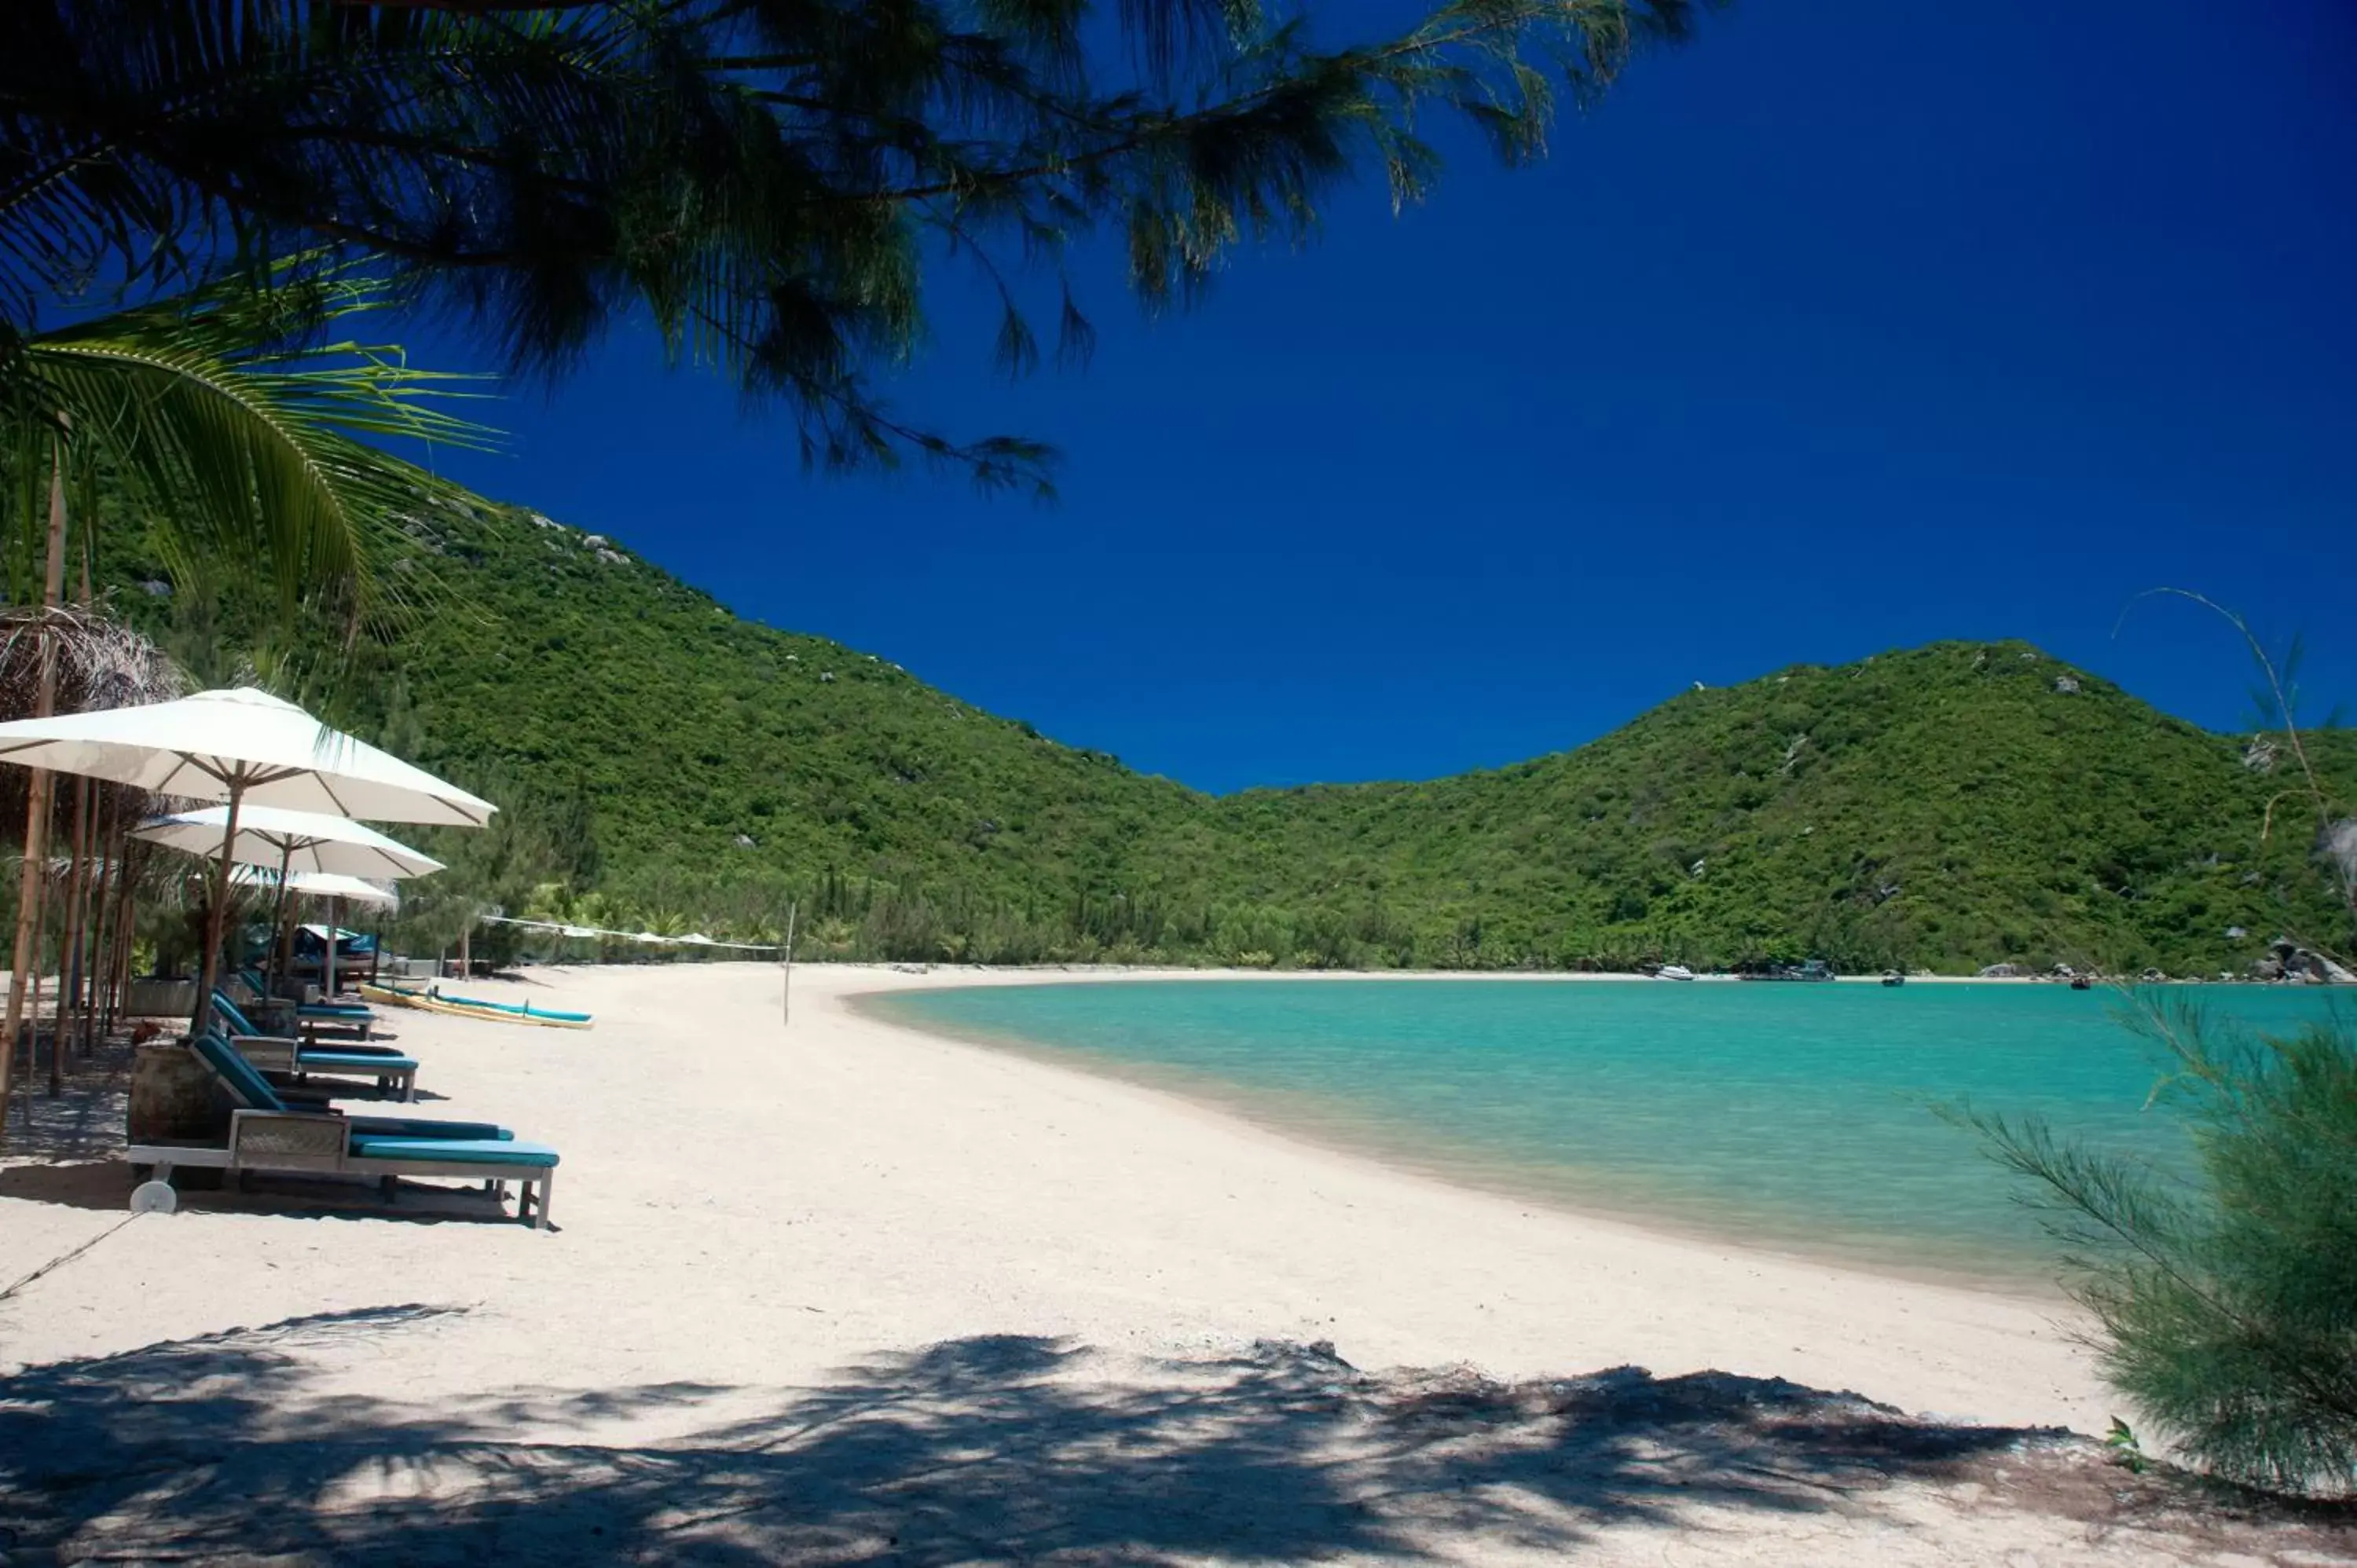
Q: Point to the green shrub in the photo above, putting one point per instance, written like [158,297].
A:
[2226,1296]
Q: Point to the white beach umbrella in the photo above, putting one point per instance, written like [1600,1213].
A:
[240,745]
[320,885]
[245,745]
[289,842]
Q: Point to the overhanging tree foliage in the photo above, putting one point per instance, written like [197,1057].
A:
[768,179]
[2226,1303]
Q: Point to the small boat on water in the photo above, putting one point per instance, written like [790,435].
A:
[1674,971]
[1893,977]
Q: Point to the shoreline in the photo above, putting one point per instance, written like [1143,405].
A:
[1082,972]
[1260,1112]
[2028,1360]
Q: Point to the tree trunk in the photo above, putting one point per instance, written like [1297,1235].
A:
[37,813]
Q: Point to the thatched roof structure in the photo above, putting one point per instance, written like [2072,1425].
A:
[101,664]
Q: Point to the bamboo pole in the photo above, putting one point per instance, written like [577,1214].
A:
[70,936]
[126,938]
[104,871]
[36,815]
[33,1033]
[102,1011]
[73,968]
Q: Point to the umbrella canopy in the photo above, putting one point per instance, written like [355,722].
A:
[243,746]
[241,743]
[320,885]
[301,842]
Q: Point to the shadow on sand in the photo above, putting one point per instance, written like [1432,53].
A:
[993,1448]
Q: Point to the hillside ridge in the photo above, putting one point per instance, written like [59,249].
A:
[1950,805]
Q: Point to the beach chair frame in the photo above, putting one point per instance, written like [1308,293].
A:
[309,1144]
[276,1053]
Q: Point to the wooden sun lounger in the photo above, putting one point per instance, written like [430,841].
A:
[305,1143]
[395,1075]
[317,1141]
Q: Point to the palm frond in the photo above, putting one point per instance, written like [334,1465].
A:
[252,435]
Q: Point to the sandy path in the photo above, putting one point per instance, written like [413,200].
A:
[872,1260]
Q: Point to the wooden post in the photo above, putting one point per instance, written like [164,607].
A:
[127,931]
[101,965]
[36,812]
[786,978]
[70,965]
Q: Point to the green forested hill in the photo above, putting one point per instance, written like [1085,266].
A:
[1949,806]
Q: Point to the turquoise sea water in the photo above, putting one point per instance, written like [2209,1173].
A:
[1794,1116]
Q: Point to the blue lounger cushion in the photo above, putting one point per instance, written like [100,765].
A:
[477,1153]
[234,1016]
[253,1091]
[413,1127]
[354,1061]
[239,1025]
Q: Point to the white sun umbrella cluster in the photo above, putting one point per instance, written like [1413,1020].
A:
[290,841]
[318,884]
[248,749]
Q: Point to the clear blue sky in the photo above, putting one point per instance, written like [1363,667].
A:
[1854,325]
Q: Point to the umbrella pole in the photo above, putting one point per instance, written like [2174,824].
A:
[217,917]
[327,964]
[69,962]
[282,938]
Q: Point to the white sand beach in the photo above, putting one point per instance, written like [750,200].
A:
[842,1293]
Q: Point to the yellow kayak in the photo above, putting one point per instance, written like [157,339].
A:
[433,1000]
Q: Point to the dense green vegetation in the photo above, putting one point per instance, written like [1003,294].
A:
[1947,807]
